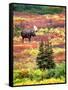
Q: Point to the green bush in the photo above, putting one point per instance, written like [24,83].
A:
[50,73]
[16,74]
[35,74]
[60,70]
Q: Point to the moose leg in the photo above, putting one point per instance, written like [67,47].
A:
[23,39]
[29,38]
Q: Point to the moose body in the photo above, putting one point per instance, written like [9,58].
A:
[28,34]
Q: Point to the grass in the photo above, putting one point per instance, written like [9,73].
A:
[27,81]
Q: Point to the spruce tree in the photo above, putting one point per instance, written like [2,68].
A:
[40,57]
[48,52]
[45,56]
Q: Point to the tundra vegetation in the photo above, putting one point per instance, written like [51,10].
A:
[42,59]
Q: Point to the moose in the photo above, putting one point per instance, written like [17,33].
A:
[28,33]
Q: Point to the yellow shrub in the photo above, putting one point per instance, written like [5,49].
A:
[24,72]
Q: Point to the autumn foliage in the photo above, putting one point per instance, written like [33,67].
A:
[42,60]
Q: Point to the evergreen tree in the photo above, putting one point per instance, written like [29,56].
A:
[45,56]
[48,52]
[40,57]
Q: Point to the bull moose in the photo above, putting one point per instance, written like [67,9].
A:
[28,33]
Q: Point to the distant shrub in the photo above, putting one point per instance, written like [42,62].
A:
[17,31]
[34,52]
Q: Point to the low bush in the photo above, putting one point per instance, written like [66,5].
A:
[50,73]
[60,70]
[24,73]
[35,74]
[15,74]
